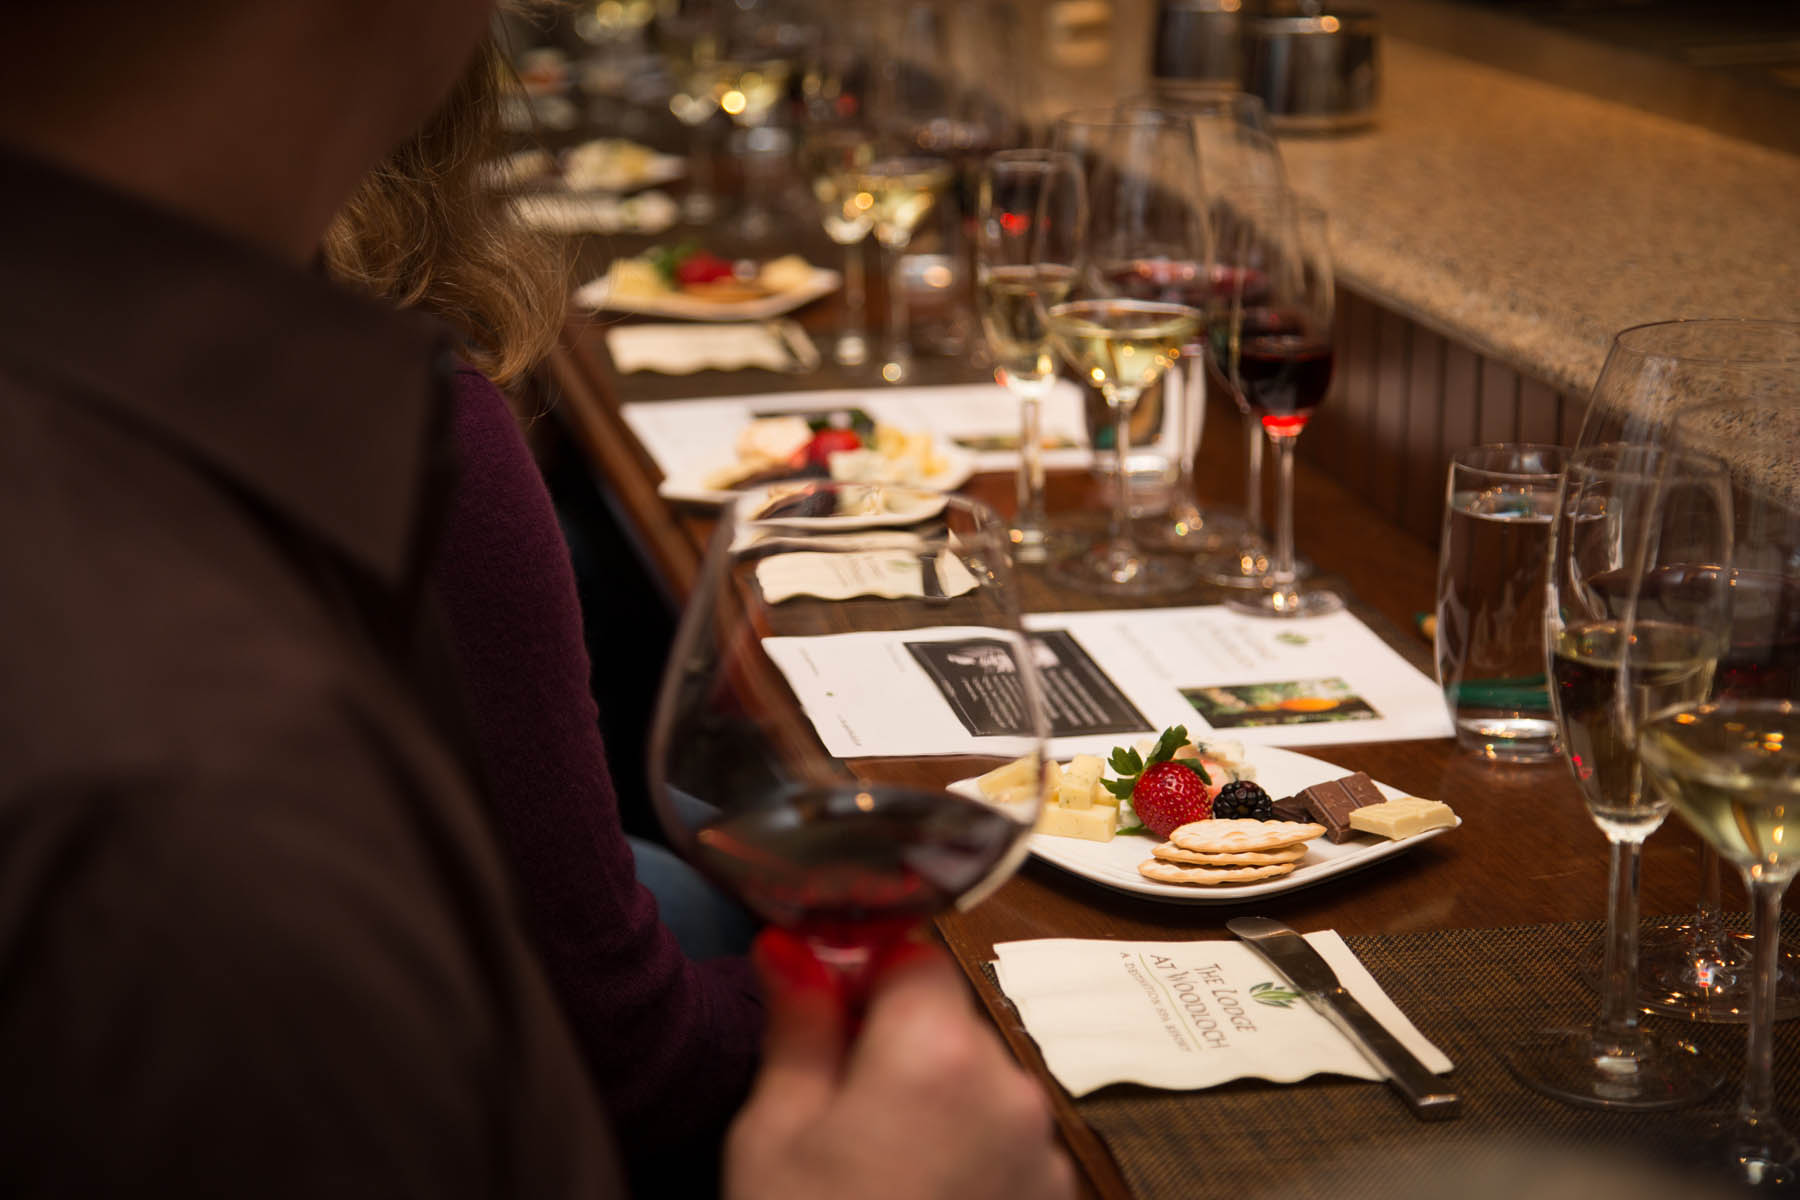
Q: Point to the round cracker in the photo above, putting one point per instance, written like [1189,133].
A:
[1241,836]
[1168,872]
[1170,852]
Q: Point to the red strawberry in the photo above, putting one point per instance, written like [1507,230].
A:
[702,267]
[1165,791]
[1169,795]
[828,442]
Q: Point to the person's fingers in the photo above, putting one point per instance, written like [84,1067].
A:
[803,1043]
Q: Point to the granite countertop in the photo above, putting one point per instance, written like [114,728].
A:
[1530,222]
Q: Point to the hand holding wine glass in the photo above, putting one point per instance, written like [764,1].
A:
[1015,295]
[1728,757]
[1138,203]
[849,855]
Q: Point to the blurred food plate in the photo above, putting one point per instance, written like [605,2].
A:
[803,506]
[637,285]
[617,165]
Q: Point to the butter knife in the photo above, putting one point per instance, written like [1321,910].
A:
[1295,958]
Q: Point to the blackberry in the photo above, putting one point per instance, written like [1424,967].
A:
[1242,800]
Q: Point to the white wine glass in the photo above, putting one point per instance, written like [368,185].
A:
[834,155]
[1695,968]
[901,189]
[1729,760]
[850,854]
[1139,205]
[688,41]
[1014,295]
[1607,677]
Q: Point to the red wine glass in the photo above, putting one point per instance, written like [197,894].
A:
[1279,356]
[758,770]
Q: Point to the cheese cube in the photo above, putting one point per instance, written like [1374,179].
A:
[1096,824]
[1085,767]
[1402,817]
[1016,773]
[1074,793]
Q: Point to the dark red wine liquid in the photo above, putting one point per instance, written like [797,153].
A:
[1285,368]
[850,867]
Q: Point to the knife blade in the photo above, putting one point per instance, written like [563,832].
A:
[1295,958]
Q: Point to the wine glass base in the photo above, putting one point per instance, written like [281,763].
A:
[850,350]
[1193,530]
[1679,978]
[1246,566]
[1646,1072]
[1141,574]
[1308,604]
[1757,1152]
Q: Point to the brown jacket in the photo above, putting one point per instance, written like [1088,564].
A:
[256,938]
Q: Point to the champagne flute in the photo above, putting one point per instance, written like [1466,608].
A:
[834,155]
[1280,359]
[1139,206]
[1607,676]
[1695,969]
[1731,763]
[901,190]
[1014,295]
[849,854]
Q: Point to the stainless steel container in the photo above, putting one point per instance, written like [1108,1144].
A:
[1317,74]
[1197,46]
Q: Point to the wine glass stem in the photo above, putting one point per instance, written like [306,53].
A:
[1758,1101]
[899,351]
[1618,992]
[700,185]
[1253,486]
[1030,525]
[1119,547]
[1707,924]
[1281,571]
[855,292]
[1189,393]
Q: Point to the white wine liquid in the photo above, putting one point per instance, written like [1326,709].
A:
[1121,344]
[900,194]
[1013,300]
[1732,769]
[845,209]
[1670,664]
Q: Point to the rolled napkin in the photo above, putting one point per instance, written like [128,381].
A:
[684,349]
[891,574]
[1186,1015]
[564,212]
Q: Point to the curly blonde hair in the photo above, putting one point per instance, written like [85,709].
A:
[424,232]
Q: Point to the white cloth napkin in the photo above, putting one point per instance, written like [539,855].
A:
[684,349]
[575,212]
[1185,1015]
[891,574]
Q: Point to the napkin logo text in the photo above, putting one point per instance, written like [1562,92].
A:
[1208,1006]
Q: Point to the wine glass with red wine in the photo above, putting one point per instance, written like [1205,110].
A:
[834,617]
[1279,356]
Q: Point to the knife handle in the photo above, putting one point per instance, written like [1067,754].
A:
[1424,1092]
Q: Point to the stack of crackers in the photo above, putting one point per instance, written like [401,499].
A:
[1212,852]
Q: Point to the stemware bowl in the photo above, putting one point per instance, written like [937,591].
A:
[1138,204]
[1695,968]
[1279,360]
[850,854]
[1606,677]
[1729,758]
[1014,296]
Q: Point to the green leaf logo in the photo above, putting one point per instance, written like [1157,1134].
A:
[1292,639]
[1274,997]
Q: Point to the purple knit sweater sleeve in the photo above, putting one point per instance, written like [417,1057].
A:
[671,1042]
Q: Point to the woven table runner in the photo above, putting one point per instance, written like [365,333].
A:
[1470,991]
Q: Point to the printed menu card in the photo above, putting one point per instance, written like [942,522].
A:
[1109,678]
[1184,1015]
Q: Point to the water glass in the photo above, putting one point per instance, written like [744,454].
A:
[1492,564]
